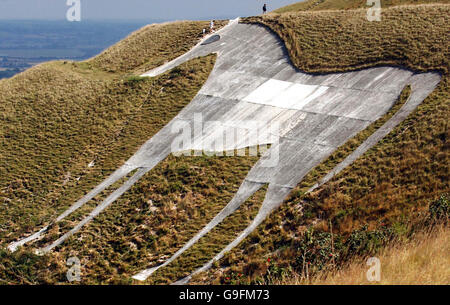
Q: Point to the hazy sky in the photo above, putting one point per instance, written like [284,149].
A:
[137,9]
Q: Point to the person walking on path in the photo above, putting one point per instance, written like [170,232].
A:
[264,9]
[211,26]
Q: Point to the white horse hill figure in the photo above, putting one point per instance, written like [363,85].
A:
[254,80]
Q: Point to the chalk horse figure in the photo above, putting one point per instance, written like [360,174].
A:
[254,80]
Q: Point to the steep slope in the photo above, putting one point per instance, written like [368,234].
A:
[151,46]
[65,126]
[59,117]
[388,186]
[157,216]
[315,113]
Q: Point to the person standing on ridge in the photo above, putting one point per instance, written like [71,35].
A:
[211,26]
[264,9]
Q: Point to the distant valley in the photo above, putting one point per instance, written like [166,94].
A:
[26,43]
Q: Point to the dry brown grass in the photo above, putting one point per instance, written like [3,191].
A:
[331,41]
[57,117]
[151,46]
[397,178]
[320,5]
[424,260]
[42,182]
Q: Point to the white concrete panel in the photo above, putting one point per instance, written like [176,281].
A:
[285,95]
[268,91]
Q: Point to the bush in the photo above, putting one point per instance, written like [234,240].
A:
[439,209]
[134,79]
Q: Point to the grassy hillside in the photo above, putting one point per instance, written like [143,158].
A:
[58,118]
[333,41]
[320,5]
[423,260]
[65,126]
[151,46]
[386,191]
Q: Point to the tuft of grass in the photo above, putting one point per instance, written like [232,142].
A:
[63,121]
[134,79]
[320,5]
[440,209]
